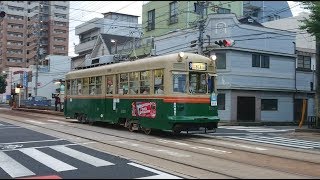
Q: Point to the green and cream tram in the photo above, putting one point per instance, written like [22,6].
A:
[175,92]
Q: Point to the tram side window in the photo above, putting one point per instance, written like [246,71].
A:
[68,88]
[79,86]
[134,83]
[85,87]
[74,87]
[92,85]
[179,83]
[98,85]
[123,85]
[158,81]
[145,82]
[109,84]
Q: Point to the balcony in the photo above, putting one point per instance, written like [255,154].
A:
[84,46]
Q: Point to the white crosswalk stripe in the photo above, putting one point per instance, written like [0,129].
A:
[12,167]
[82,156]
[279,141]
[15,169]
[254,129]
[47,160]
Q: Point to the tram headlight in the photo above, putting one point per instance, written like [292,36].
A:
[181,55]
[213,57]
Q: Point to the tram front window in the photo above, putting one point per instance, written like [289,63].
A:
[198,83]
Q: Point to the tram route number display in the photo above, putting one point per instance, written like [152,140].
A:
[144,109]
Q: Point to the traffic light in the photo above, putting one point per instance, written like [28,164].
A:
[193,43]
[225,43]
[19,86]
[2,14]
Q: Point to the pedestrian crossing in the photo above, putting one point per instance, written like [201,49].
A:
[255,129]
[26,162]
[288,142]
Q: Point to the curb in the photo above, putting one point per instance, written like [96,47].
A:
[39,111]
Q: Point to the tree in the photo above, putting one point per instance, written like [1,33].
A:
[3,83]
[312,24]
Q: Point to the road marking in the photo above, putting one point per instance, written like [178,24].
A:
[237,145]
[82,156]
[15,127]
[271,141]
[47,160]
[35,122]
[254,129]
[60,122]
[25,142]
[43,177]
[12,167]
[172,153]
[195,147]
[160,175]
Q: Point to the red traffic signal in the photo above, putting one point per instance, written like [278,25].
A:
[2,14]
[225,43]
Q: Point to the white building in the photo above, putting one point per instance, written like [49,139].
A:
[51,70]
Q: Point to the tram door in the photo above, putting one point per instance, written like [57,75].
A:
[246,109]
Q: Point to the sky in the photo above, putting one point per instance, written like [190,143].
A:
[82,11]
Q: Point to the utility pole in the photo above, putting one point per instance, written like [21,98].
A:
[39,53]
[317,97]
[201,7]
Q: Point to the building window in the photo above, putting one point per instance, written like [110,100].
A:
[262,61]
[269,104]
[173,12]
[151,20]
[221,101]
[304,62]
[265,61]
[221,60]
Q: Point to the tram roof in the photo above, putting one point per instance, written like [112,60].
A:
[155,59]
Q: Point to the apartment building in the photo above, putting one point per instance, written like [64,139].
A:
[102,36]
[30,26]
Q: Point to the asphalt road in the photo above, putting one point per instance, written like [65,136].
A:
[25,153]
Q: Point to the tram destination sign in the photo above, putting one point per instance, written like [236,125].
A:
[197,66]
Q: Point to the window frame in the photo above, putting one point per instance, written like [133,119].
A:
[173,12]
[221,102]
[151,20]
[264,108]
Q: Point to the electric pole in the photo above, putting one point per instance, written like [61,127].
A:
[39,52]
[317,96]
[201,7]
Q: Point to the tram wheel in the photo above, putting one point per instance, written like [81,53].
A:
[147,131]
[131,127]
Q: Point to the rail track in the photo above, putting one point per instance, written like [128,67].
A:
[254,163]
